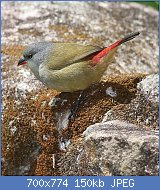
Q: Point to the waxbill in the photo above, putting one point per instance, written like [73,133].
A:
[68,67]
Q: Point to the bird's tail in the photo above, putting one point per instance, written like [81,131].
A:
[102,53]
[128,37]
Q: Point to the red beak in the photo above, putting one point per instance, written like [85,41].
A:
[22,61]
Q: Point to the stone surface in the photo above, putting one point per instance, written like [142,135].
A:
[149,87]
[121,148]
[113,148]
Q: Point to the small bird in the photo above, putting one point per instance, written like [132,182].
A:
[68,67]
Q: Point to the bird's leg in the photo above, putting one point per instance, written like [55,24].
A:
[75,106]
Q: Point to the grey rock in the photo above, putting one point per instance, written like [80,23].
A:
[121,149]
[149,87]
[114,148]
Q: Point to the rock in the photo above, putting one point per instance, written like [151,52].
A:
[143,109]
[112,148]
[41,121]
[149,87]
[121,148]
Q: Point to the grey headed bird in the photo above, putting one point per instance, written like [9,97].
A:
[68,67]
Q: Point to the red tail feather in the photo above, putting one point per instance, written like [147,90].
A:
[102,53]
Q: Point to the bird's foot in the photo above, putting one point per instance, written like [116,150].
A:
[75,106]
[72,115]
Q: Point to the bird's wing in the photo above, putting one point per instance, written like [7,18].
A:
[65,54]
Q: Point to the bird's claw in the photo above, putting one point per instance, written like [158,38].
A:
[72,115]
[75,107]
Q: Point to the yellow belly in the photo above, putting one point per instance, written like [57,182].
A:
[75,77]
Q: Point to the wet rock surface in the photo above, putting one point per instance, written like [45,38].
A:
[36,133]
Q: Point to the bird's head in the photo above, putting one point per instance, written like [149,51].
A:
[34,52]
[34,55]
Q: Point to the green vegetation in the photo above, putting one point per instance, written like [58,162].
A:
[153,4]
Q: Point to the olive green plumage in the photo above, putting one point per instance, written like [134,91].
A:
[65,69]
[68,67]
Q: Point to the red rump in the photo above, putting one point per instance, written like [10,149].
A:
[102,53]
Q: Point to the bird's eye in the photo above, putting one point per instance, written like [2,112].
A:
[29,56]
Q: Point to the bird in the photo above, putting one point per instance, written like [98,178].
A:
[69,67]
